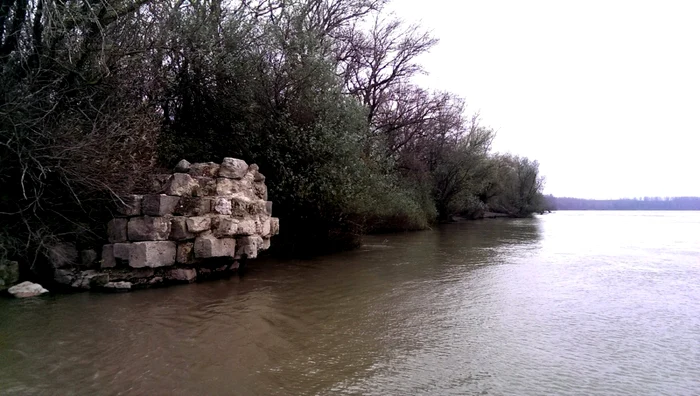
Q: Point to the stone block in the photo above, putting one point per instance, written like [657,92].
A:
[88,258]
[193,206]
[90,279]
[133,275]
[159,205]
[264,226]
[64,277]
[208,246]
[224,226]
[122,252]
[233,168]
[221,205]
[116,230]
[257,207]
[188,275]
[157,280]
[185,253]
[268,208]
[248,247]
[130,205]
[63,254]
[205,169]
[260,190]
[274,226]
[178,229]
[159,182]
[207,186]
[108,259]
[255,171]
[198,223]
[148,228]
[240,206]
[118,286]
[182,185]
[228,187]
[265,244]
[246,227]
[183,166]
[152,254]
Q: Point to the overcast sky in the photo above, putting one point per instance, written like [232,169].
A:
[604,94]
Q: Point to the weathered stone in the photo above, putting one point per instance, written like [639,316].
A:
[90,279]
[118,286]
[246,227]
[148,228]
[185,253]
[206,169]
[152,254]
[264,227]
[265,244]
[63,255]
[257,207]
[130,205]
[247,188]
[116,230]
[221,205]
[64,276]
[268,208]
[188,275]
[224,226]
[257,176]
[122,252]
[159,205]
[178,229]
[182,185]
[240,206]
[193,206]
[248,247]
[9,273]
[260,190]
[133,275]
[159,182]
[228,187]
[208,246]
[156,281]
[108,259]
[183,166]
[207,186]
[274,225]
[198,224]
[233,168]
[26,289]
[88,258]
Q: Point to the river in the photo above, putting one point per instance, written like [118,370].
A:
[569,303]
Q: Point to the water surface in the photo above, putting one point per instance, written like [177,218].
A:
[570,303]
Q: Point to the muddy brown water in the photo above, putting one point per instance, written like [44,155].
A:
[570,303]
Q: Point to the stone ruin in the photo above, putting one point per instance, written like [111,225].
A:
[201,221]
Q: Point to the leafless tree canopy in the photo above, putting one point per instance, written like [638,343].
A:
[98,94]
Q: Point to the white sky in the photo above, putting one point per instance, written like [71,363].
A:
[604,94]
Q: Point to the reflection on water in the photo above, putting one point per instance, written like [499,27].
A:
[568,303]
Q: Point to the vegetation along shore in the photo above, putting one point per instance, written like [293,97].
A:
[97,96]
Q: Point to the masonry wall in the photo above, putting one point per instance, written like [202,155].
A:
[200,221]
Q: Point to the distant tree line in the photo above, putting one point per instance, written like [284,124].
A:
[647,203]
[97,94]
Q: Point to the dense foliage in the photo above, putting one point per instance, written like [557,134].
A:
[319,93]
